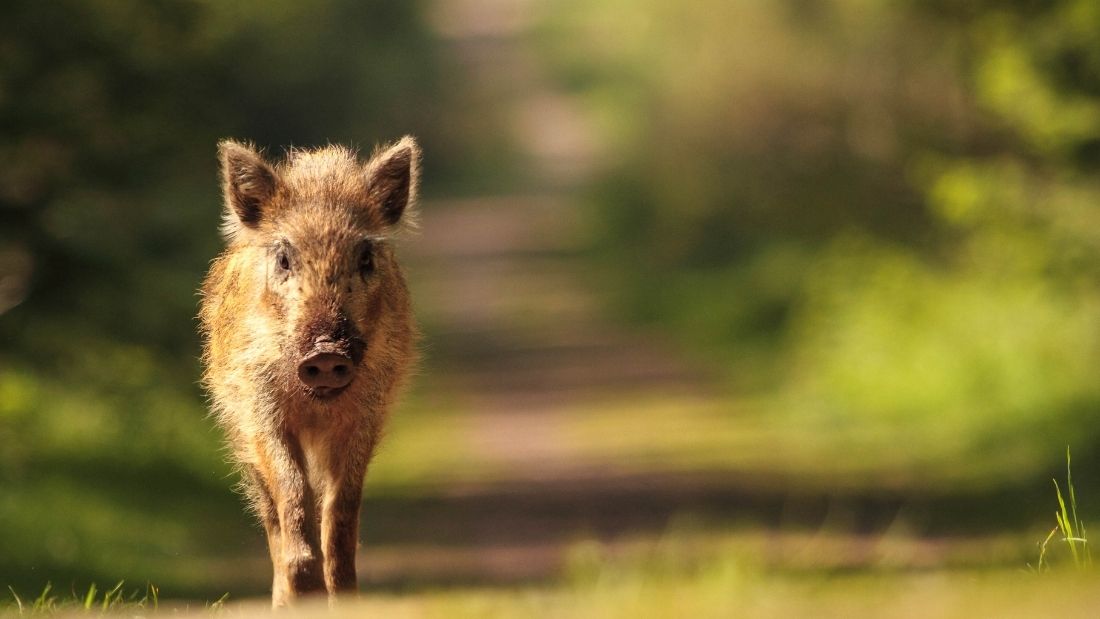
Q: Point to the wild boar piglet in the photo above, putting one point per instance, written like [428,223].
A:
[308,335]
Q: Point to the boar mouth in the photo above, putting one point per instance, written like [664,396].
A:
[325,393]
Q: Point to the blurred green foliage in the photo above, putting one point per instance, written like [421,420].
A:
[885,212]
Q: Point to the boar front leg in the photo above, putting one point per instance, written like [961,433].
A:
[298,569]
[340,516]
[340,534]
[260,496]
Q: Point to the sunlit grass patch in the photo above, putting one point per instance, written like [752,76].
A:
[762,438]
[425,445]
[662,581]
[433,443]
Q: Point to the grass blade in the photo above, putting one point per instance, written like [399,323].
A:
[1072,493]
[89,599]
[18,602]
[113,593]
[1043,561]
[219,605]
[44,601]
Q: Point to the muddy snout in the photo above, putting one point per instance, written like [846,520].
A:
[328,368]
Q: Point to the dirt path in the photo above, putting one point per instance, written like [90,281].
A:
[517,338]
[516,327]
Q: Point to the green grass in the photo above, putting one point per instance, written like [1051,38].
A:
[1068,523]
[118,600]
[114,599]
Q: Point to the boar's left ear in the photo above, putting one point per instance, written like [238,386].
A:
[393,177]
[248,182]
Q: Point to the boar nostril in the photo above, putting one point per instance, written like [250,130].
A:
[325,371]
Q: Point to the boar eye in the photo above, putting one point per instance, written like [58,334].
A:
[366,261]
[282,259]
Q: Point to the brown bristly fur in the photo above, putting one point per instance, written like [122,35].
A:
[303,458]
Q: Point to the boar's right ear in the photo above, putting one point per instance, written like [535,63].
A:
[248,183]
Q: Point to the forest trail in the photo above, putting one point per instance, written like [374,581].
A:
[517,333]
[517,340]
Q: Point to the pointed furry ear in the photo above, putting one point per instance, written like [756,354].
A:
[248,183]
[393,177]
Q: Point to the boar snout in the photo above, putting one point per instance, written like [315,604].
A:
[326,373]
[329,365]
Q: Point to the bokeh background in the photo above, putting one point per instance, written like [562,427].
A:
[796,288]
